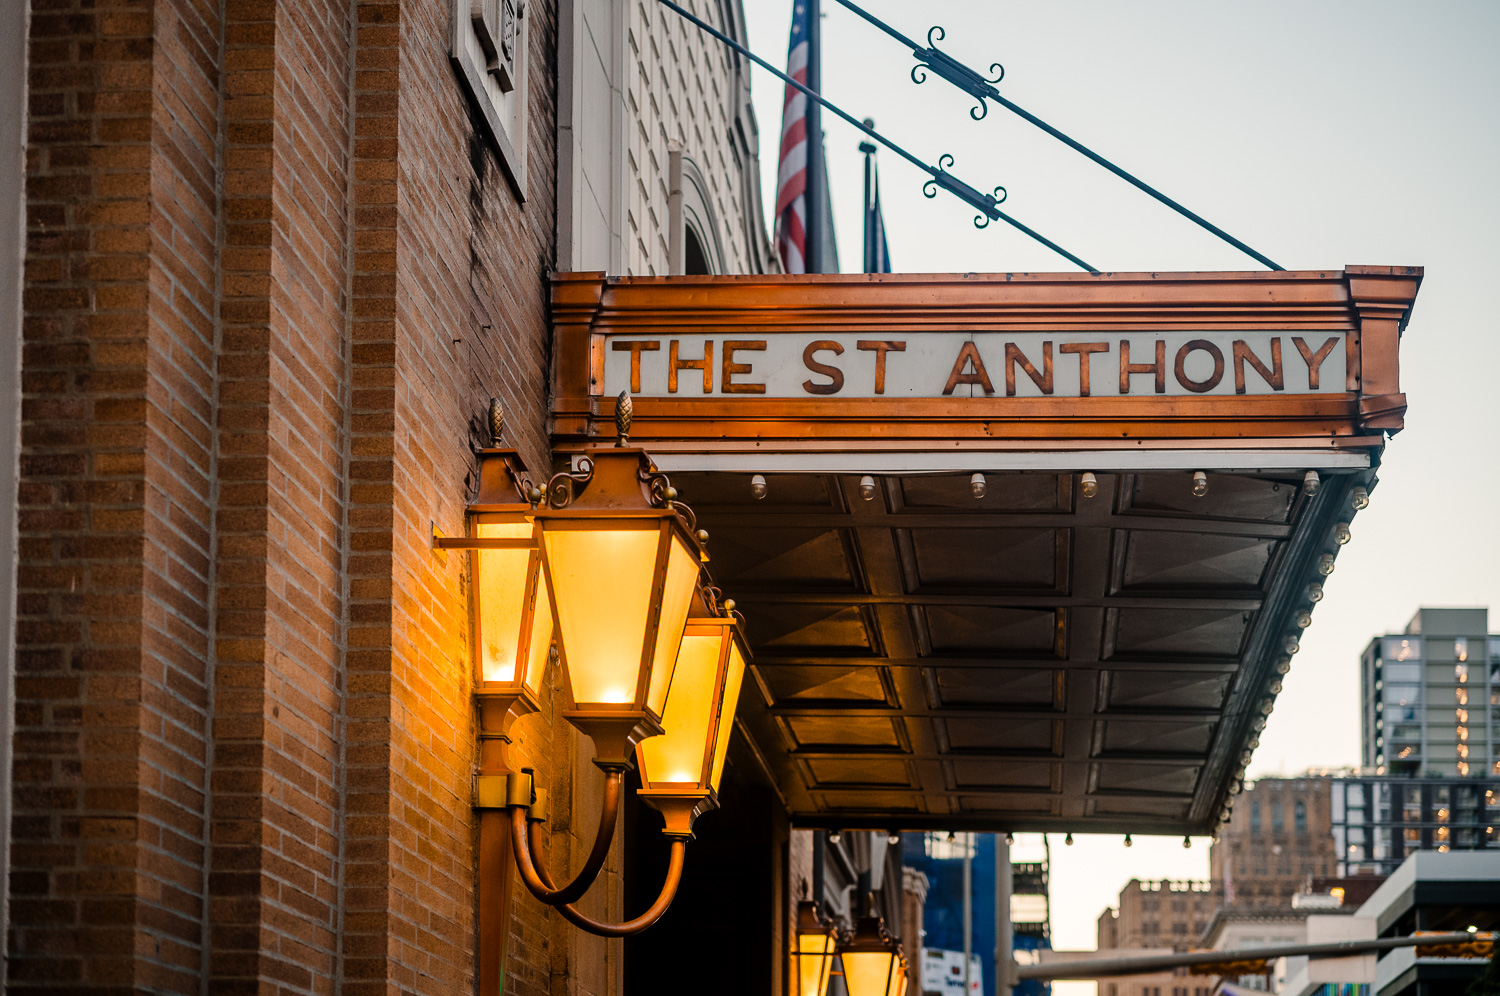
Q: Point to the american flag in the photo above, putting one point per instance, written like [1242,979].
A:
[791,174]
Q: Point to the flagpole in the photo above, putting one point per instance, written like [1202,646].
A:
[868,148]
[816,194]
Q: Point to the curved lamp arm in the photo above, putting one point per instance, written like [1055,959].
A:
[536,876]
[646,919]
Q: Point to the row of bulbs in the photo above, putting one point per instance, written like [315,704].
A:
[1359,499]
[1088,486]
[894,837]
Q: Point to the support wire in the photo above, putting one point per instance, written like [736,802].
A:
[983,88]
[939,177]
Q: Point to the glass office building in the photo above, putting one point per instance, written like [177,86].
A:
[1431,697]
[1380,819]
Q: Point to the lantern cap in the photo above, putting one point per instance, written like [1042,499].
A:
[611,480]
[810,918]
[869,934]
[503,480]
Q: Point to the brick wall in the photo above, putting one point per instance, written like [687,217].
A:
[273,276]
[117,458]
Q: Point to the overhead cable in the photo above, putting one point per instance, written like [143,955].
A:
[983,88]
[986,204]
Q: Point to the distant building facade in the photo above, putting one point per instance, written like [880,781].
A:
[1431,697]
[1279,838]
[1160,913]
[939,860]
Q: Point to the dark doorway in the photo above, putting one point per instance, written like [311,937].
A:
[720,935]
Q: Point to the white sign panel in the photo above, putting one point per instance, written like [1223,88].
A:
[943,972]
[982,364]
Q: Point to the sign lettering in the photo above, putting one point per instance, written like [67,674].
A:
[983,364]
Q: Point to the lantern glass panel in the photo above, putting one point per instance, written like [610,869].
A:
[732,681]
[868,973]
[602,579]
[677,595]
[678,754]
[501,587]
[541,629]
[814,953]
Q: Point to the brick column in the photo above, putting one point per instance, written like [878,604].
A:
[116,484]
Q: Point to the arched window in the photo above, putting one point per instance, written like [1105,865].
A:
[695,245]
[694,259]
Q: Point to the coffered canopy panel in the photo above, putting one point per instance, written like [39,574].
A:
[1097,665]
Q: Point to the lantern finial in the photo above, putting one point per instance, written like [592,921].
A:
[496,422]
[623,409]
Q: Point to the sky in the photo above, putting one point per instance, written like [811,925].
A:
[1320,132]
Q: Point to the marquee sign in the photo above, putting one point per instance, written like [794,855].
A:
[934,362]
[985,364]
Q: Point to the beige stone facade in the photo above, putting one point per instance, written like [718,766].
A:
[1279,838]
[1158,914]
[658,144]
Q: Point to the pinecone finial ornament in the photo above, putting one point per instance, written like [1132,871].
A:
[496,422]
[623,409]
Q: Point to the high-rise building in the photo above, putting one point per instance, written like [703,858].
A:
[1431,697]
[1378,820]
[1277,840]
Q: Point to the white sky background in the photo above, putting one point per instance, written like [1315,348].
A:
[1320,133]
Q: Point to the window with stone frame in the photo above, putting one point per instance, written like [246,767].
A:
[490,43]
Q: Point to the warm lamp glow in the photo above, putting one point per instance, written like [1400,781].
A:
[871,959]
[607,580]
[513,618]
[869,973]
[699,711]
[733,680]
[683,567]
[688,718]
[812,951]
